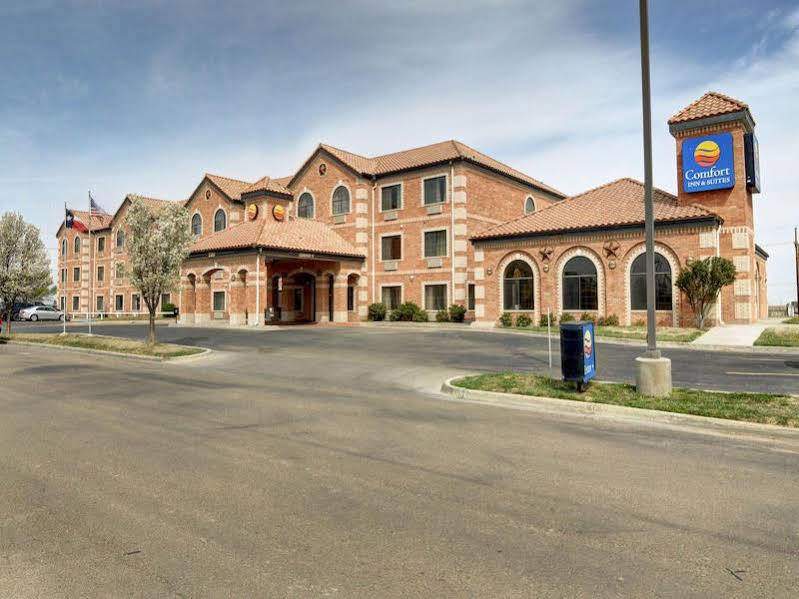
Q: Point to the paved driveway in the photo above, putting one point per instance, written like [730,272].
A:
[293,470]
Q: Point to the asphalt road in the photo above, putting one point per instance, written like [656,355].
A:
[319,464]
[477,351]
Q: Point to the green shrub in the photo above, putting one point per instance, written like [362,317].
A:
[588,317]
[420,316]
[609,321]
[377,311]
[395,315]
[457,313]
[639,323]
[522,320]
[506,320]
[442,316]
[566,317]
[407,312]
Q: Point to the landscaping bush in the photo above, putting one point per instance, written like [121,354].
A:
[395,315]
[522,320]
[377,311]
[442,316]
[542,322]
[588,317]
[169,308]
[407,312]
[566,317]
[609,321]
[506,320]
[457,313]
[420,316]
[639,323]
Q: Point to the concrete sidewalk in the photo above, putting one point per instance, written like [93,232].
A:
[738,335]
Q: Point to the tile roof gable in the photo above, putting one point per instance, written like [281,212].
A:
[709,105]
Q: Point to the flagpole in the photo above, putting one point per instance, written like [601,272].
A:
[61,277]
[91,265]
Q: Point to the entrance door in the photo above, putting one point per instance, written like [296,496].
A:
[305,298]
[330,281]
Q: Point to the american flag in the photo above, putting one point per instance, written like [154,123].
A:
[94,208]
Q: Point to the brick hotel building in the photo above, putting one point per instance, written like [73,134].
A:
[438,225]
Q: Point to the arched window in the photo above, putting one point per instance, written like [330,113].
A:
[305,205]
[120,238]
[341,200]
[63,247]
[580,285]
[220,220]
[529,205]
[518,286]
[662,283]
[77,245]
[196,225]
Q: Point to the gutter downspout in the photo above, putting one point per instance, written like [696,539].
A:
[452,229]
[372,256]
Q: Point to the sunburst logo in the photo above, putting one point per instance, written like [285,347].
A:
[707,153]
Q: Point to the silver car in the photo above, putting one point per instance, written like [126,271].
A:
[35,313]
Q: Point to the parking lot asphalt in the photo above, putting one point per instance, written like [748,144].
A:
[437,352]
[319,463]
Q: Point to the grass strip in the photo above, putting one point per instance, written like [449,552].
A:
[663,333]
[102,343]
[764,408]
[794,320]
[779,337]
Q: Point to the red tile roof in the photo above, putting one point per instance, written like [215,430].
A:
[97,223]
[267,184]
[711,104]
[232,188]
[614,204]
[299,235]
[150,202]
[426,156]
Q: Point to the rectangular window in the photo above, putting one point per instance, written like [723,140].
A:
[350,298]
[101,245]
[219,301]
[435,243]
[100,274]
[63,275]
[470,297]
[435,190]
[100,303]
[391,247]
[391,296]
[119,303]
[135,303]
[75,303]
[76,274]
[298,299]
[63,303]
[391,197]
[435,297]
[166,298]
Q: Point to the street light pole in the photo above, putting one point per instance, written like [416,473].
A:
[649,216]
[653,372]
[796,247]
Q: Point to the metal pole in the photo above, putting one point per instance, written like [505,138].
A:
[549,343]
[651,340]
[796,247]
[91,265]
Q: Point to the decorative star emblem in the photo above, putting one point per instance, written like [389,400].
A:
[611,248]
[546,253]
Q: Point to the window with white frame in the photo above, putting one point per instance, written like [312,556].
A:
[63,275]
[196,225]
[391,247]
[662,283]
[77,245]
[220,220]
[63,303]
[341,200]
[219,301]
[435,190]
[64,247]
[391,296]
[435,243]
[580,284]
[305,206]
[75,303]
[518,286]
[435,296]
[101,245]
[120,239]
[391,197]
[76,274]
[119,303]
[470,297]
[135,302]
[529,205]
[100,274]
[166,298]
[119,271]
[99,303]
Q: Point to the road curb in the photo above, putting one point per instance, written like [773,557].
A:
[568,407]
[85,350]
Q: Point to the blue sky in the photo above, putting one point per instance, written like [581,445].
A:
[145,97]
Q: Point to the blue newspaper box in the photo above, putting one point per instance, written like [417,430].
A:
[577,352]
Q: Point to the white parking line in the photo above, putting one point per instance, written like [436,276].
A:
[764,373]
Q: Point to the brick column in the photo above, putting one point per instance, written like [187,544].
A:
[238,301]
[340,299]
[188,302]
[460,236]
[202,312]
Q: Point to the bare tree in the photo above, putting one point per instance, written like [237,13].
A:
[24,265]
[159,242]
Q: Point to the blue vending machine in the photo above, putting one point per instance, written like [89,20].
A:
[577,352]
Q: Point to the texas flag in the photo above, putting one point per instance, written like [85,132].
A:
[71,223]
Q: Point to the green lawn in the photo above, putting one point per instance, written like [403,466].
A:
[663,333]
[794,320]
[780,337]
[116,344]
[750,407]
